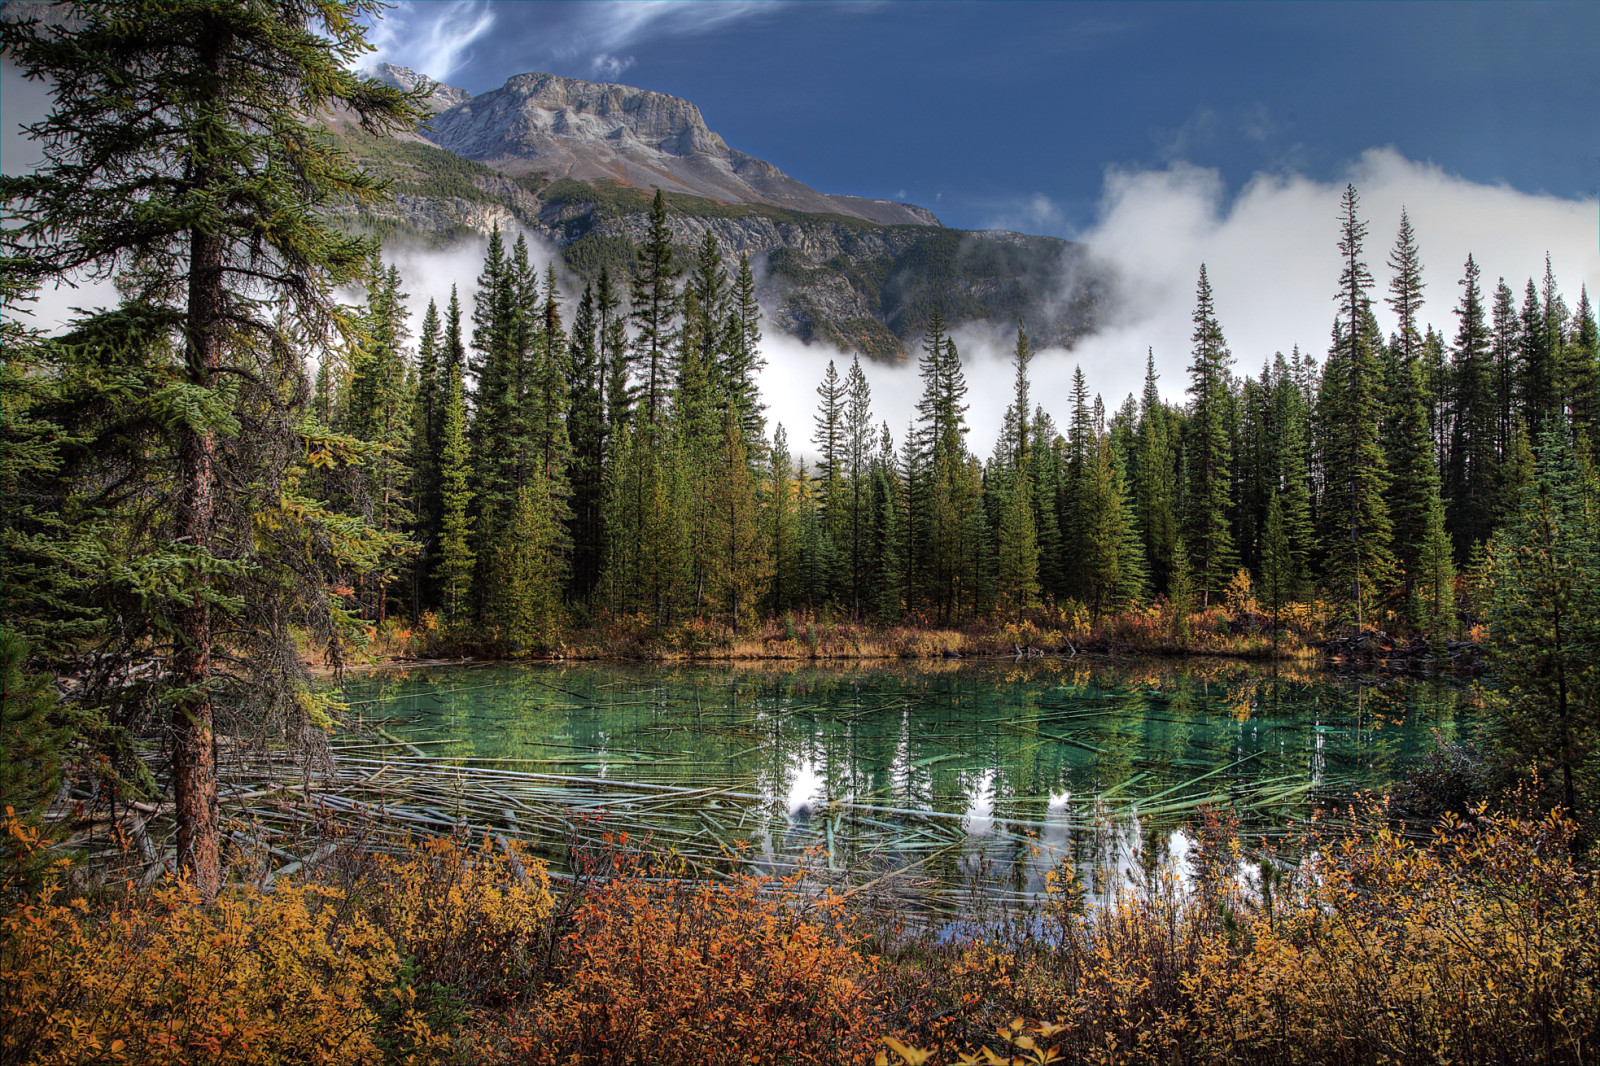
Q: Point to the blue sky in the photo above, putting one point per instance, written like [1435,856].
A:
[1011,114]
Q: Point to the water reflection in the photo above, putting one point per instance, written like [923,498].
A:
[964,776]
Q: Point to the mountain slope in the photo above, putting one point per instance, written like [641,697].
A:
[592,131]
[577,162]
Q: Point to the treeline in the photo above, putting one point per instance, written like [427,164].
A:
[548,467]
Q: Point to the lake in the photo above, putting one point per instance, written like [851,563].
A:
[938,779]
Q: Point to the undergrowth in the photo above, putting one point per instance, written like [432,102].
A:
[1481,945]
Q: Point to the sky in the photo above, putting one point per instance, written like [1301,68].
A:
[1008,114]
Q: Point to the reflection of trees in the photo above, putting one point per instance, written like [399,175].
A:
[911,738]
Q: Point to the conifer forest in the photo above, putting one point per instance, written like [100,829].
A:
[266,496]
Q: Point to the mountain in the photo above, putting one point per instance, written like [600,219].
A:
[592,131]
[577,163]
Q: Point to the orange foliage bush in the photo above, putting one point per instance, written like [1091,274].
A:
[256,977]
[1482,947]
[468,918]
[672,971]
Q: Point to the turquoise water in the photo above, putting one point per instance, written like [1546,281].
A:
[945,775]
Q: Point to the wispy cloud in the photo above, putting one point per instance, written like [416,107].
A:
[435,41]
[606,32]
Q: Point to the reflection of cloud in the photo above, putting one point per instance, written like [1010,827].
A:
[433,40]
[978,820]
[807,788]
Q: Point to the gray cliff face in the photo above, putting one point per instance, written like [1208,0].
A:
[860,274]
[442,97]
[590,131]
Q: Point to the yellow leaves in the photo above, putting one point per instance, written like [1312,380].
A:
[908,1055]
[252,977]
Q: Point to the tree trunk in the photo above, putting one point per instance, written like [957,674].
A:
[194,756]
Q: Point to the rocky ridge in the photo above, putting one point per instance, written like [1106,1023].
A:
[524,155]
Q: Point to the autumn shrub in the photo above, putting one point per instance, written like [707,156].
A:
[467,919]
[1483,947]
[293,975]
[675,971]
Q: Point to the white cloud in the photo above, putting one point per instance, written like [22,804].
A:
[1274,268]
[1271,257]
[435,43]
[608,67]
[604,32]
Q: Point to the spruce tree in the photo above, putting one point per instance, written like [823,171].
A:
[1154,478]
[426,422]
[1277,565]
[377,411]
[1471,474]
[1017,545]
[454,568]
[588,431]
[742,359]
[1507,355]
[1357,529]
[1207,533]
[740,569]
[1581,377]
[779,523]
[175,143]
[655,311]
[1292,421]
[1544,624]
[859,452]
[616,366]
[829,435]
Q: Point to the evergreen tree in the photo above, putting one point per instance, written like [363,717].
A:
[887,533]
[829,436]
[1405,292]
[1356,522]
[1292,421]
[377,411]
[1207,534]
[1155,478]
[740,569]
[858,447]
[588,431]
[655,311]
[426,444]
[1416,502]
[779,521]
[174,145]
[615,361]
[454,569]
[742,360]
[1044,476]
[1471,475]
[1581,377]
[1507,356]
[1277,565]
[1017,549]
[525,608]
[1544,624]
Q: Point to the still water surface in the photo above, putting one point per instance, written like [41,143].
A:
[951,776]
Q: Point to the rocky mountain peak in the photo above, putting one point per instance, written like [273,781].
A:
[442,97]
[539,123]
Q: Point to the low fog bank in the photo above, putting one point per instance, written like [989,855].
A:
[1271,253]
